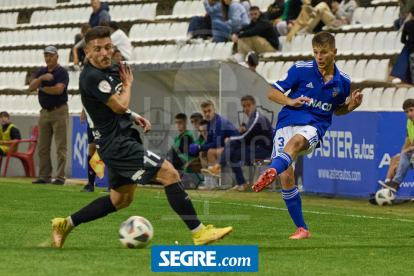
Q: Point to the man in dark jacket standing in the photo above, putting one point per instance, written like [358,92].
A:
[100,13]
[259,36]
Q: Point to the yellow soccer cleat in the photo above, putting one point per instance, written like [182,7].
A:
[209,234]
[60,230]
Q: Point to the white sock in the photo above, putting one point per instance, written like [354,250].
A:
[197,228]
[71,222]
[387,180]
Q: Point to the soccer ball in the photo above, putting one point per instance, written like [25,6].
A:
[384,197]
[136,232]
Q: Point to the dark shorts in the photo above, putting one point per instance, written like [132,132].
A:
[90,136]
[128,162]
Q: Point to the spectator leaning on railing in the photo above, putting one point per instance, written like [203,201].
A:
[8,133]
[343,12]
[54,116]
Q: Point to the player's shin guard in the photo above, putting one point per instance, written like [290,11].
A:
[182,205]
[91,172]
[294,205]
[281,163]
[98,208]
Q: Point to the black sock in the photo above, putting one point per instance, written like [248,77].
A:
[98,208]
[91,172]
[182,205]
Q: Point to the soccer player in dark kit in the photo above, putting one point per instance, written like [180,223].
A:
[105,88]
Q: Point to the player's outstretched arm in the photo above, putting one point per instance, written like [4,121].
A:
[119,103]
[356,100]
[278,97]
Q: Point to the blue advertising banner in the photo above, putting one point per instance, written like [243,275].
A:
[216,258]
[80,153]
[356,153]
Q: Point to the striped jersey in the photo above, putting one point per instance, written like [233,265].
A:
[304,79]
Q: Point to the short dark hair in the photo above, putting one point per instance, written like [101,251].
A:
[203,122]
[207,104]
[115,52]
[113,25]
[85,28]
[255,8]
[97,33]
[4,114]
[181,116]
[248,98]
[252,59]
[323,38]
[196,115]
[406,105]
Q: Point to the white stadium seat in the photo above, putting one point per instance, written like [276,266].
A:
[375,99]
[399,98]
[359,70]
[410,94]
[366,100]
[349,68]
[387,98]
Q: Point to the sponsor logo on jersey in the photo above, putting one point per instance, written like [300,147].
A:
[96,135]
[104,86]
[336,91]
[138,175]
[310,85]
[319,104]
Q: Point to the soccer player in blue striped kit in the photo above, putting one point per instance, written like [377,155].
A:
[318,90]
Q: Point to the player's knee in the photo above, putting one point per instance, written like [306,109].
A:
[287,176]
[123,202]
[395,158]
[210,153]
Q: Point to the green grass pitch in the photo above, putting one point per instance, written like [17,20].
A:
[348,237]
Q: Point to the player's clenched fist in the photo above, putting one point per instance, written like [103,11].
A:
[144,123]
[125,73]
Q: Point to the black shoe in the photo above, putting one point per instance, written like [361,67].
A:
[40,181]
[88,188]
[106,191]
[58,182]
[393,186]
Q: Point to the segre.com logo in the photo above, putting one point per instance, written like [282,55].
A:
[225,258]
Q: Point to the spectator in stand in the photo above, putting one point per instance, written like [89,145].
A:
[405,8]
[235,17]
[119,39]
[178,155]
[54,116]
[259,36]
[343,12]
[255,142]
[246,4]
[291,12]
[407,38]
[117,56]
[218,130]
[252,61]
[99,14]
[8,134]
[309,19]
[200,27]
[275,12]
[80,45]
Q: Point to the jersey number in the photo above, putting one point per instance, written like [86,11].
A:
[147,160]
[282,141]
